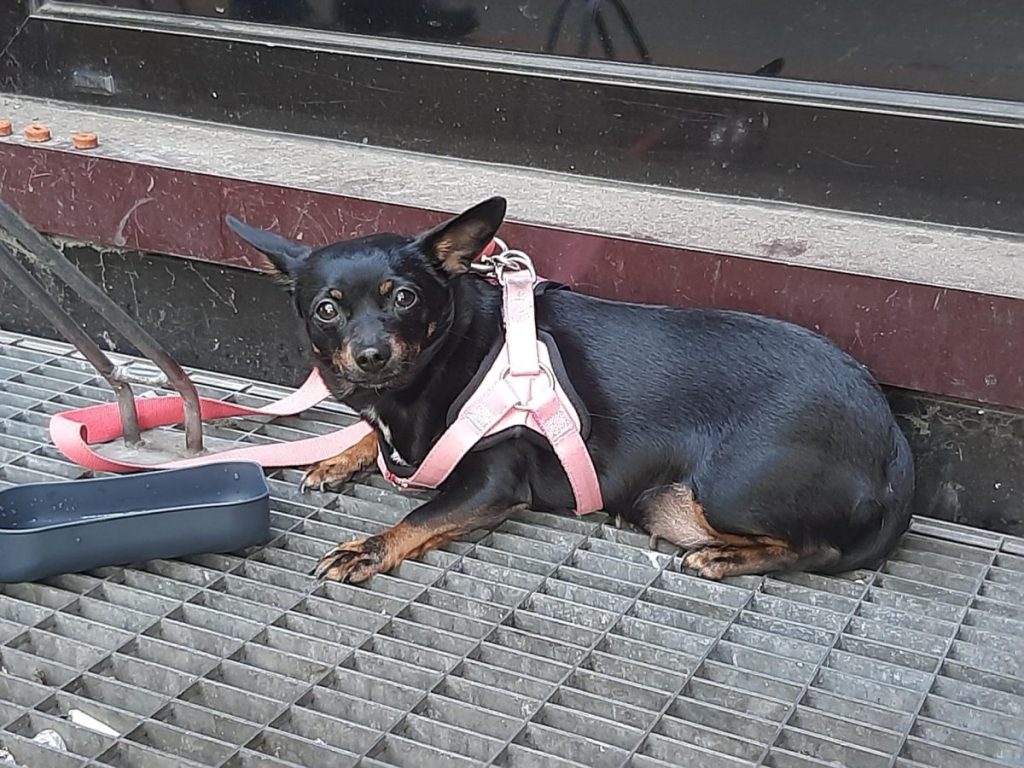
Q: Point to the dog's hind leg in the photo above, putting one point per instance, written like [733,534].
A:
[673,514]
[757,557]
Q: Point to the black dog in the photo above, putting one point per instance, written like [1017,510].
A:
[754,443]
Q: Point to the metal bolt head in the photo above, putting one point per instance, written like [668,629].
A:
[37,132]
[85,140]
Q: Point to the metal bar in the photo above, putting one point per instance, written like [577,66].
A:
[69,329]
[24,237]
[822,660]
[1003,112]
[128,376]
[979,583]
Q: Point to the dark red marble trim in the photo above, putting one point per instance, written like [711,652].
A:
[947,342]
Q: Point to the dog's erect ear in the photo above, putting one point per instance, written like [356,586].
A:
[457,242]
[772,69]
[284,255]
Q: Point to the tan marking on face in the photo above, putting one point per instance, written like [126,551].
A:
[335,294]
[401,351]
[385,287]
[451,256]
[431,328]
[279,277]
[342,360]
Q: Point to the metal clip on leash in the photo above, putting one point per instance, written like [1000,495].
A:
[504,260]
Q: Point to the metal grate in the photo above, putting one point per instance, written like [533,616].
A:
[551,641]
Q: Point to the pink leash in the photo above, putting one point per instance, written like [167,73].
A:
[74,432]
[520,389]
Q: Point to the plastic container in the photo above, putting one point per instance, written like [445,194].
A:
[48,529]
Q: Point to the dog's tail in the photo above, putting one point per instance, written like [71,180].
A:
[888,517]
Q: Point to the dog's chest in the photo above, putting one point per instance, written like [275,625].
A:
[374,418]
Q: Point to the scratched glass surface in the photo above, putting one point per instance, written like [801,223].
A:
[942,46]
[811,148]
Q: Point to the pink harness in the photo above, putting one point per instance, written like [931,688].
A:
[519,390]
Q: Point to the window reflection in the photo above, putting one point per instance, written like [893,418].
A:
[944,46]
[419,19]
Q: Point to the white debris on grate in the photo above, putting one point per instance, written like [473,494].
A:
[551,641]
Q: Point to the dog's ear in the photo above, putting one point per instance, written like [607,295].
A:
[772,69]
[284,255]
[457,242]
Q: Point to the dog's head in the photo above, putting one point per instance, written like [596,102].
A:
[373,305]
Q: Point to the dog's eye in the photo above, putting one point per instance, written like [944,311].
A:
[326,311]
[404,298]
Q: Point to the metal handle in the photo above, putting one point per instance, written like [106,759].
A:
[18,236]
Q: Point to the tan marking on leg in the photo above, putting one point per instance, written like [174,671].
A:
[674,515]
[358,560]
[732,560]
[334,472]
[677,517]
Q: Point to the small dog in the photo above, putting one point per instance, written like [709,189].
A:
[751,443]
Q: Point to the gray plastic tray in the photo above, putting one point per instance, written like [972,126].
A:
[47,529]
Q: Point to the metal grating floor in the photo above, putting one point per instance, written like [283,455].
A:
[548,642]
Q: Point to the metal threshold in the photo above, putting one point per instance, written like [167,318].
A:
[551,641]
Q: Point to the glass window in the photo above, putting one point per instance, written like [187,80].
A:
[941,46]
[905,109]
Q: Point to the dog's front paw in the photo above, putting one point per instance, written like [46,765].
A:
[332,474]
[328,475]
[354,561]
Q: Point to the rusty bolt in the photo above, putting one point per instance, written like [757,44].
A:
[37,132]
[85,140]
[6,128]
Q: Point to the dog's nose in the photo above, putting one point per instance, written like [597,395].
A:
[372,359]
